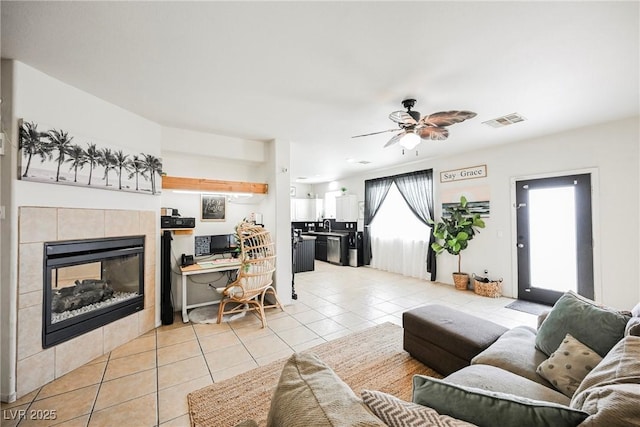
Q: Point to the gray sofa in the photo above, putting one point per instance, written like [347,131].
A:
[581,367]
[513,365]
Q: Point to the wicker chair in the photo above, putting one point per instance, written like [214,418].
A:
[255,276]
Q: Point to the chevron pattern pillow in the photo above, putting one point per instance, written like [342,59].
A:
[395,412]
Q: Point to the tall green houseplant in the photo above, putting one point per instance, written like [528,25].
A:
[453,233]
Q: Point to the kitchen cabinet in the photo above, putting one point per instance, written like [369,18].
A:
[332,247]
[347,208]
[304,254]
[306,209]
[321,248]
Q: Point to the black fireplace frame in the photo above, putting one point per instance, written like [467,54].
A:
[73,252]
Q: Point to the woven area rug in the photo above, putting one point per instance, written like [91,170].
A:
[370,359]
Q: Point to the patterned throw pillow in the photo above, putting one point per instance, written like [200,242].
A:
[568,365]
[398,413]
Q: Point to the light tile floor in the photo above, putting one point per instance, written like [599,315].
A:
[145,382]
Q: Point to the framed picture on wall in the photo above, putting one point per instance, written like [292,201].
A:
[213,207]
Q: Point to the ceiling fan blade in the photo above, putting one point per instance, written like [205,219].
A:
[447,118]
[402,117]
[433,133]
[375,133]
[395,139]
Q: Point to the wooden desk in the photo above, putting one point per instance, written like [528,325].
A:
[212,267]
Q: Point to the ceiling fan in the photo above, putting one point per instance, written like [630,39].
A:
[413,128]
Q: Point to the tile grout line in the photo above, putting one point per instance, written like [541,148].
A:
[203,355]
[95,399]
[157,378]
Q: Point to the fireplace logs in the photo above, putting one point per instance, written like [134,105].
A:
[85,292]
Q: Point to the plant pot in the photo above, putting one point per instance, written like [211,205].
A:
[461,281]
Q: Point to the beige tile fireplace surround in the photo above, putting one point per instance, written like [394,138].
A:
[37,366]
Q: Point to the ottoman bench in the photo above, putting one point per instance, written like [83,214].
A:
[446,339]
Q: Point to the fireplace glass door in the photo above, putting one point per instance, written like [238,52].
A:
[90,283]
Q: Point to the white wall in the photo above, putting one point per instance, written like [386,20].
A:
[35,96]
[611,148]
[201,158]
[277,214]
[29,94]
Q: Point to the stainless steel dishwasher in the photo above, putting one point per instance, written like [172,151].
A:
[333,249]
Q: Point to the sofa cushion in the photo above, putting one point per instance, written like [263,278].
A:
[309,393]
[568,365]
[597,327]
[487,408]
[491,378]
[398,413]
[515,351]
[611,391]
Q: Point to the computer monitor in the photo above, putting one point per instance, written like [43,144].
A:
[214,244]
[220,244]
[202,245]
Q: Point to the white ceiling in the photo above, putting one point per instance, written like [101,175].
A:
[317,73]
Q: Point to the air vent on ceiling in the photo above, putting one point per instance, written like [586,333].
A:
[363,162]
[503,121]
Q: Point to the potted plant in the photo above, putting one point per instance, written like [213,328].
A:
[453,233]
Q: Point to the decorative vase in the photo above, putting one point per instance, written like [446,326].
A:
[461,281]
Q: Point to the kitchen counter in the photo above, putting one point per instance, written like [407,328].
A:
[325,233]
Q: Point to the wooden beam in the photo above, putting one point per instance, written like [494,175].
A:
[212,185]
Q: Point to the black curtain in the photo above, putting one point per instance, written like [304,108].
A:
[375,191]
[417,190]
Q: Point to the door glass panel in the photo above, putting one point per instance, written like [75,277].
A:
[552,238]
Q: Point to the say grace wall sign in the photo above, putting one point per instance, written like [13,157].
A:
[464,173]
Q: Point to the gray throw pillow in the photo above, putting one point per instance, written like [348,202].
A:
[488,408]
[597,327]
[309,393]
[568,365]
[611,391]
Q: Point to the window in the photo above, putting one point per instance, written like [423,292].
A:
[399,240]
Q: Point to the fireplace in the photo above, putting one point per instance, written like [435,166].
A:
[90,283]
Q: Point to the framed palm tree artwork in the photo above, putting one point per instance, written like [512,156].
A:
[52,155]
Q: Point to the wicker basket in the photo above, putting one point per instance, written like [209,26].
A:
[488,289]
[461,281]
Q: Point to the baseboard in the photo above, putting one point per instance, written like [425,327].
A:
[8,397]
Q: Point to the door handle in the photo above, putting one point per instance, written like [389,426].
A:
[521,245]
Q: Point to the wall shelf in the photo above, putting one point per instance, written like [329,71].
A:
[178,231]
[212,185]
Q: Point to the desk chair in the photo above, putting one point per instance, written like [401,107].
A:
[255,276]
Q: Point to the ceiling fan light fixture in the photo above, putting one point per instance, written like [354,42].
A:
[410,141]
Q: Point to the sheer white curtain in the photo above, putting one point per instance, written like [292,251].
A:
[399,240]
